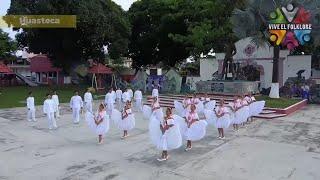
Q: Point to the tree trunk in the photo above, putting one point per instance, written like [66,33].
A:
[274,92]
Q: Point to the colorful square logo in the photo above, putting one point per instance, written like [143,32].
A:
[290,26]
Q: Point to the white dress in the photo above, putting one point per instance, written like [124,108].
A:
[223,121]
[198,103]
[180,107]
[245,111]
[210,105]
[125,124]
[210,116]
[103,127]
[256,107]
[196,131]
[171,139]
[235,117]
[154,110]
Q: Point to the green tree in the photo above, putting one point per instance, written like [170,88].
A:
[172,30]
[7,46]
[99,23]
[151,24]
[253,22]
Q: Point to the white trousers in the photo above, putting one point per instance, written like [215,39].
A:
[76,115]
[89,106]
[119,103]
[57,111]
[31,116]
[51,121]
[110,107]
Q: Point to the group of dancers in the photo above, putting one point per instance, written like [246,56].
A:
[167,130]
[51,108]
[192,118]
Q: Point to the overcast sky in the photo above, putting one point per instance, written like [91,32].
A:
[5,4]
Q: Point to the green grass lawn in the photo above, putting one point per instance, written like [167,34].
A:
[278,103]
[16,96]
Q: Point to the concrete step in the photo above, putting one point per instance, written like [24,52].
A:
[181,98]
[268,112]
[171,104]
[270,116]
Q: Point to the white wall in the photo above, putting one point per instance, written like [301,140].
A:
[208,66]
[295,63]
[266,79]
[263,51]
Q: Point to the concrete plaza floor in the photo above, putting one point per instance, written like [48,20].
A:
[284,148]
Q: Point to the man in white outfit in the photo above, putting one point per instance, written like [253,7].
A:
[113,94]
[118,98]
[155,91]
[130,93]
[138,99]
[125,96]
[31,116]
[49,109]
[88,100]
[55,99]
[76,105]
[109,101]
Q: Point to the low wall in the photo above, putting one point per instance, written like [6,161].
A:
[235,87]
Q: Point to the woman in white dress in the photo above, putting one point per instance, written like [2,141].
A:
[99,122]
[183,107]
[245,106]
[223,119]
[193,129]
[168,134]
[186,102]
[250,99]
[127,121]
[256,107]
[236,115]
[196,101]
[153,110]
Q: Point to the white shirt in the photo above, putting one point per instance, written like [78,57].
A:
[48,106]
[192,116]
[221,110]
[125,97]
[119,94]
[114,96]
[76,102]
[155,92]
[130,92]
[108,99]
[88,97]
[30,103]
[138,94]
[55,99]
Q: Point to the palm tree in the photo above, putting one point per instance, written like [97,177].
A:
[253,22]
